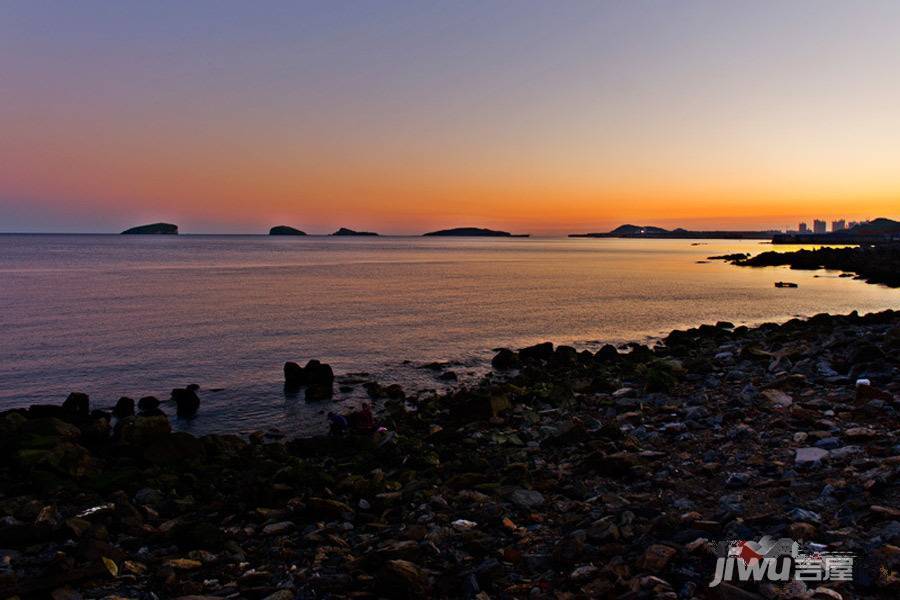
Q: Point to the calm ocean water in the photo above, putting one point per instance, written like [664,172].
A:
[138,315]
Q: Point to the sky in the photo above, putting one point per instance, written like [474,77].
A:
[401,117]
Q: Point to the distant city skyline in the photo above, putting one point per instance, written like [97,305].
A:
[404,117]
[821,225]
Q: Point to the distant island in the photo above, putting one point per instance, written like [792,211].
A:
[472,232]
[285,230]
[153,229]
[345,231]
[651,231]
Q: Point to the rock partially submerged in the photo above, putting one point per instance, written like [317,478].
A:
[316,377]
[186,400]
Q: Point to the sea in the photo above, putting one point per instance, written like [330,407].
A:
[113,315]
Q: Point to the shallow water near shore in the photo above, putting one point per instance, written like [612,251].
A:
[138,315]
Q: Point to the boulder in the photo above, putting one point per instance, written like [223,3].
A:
[149,407]
[314,373]
[124,408]
[505,359]
[50,427]
[186,400]
[65,458]
[542,351]
[607,353]
[77,404]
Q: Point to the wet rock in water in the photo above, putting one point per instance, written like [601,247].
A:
[124,408]
[148,406]
[505,359]
[314,373]
[186,400]
[317,377]
[542,351]
[318,392]
[77,404]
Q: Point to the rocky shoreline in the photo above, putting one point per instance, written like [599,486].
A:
[877,263]
[561,474]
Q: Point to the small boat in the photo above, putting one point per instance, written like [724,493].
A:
[785,284]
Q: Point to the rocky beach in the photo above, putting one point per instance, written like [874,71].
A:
[561,474]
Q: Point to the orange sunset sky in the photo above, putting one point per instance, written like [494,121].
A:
[404,117]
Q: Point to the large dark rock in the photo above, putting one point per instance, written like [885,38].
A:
[607,353]
[124,408]
[542,351]
[314,373]
[505,359]
[149,407]
[186,400]
[77,404]
[153,228]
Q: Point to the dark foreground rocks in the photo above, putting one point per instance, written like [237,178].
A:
[563,474]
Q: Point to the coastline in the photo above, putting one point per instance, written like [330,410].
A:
[587,473]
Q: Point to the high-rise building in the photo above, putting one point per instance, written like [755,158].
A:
[819,226]
[838,225]
[803,228]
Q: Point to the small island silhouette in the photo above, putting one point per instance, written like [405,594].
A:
[472,232]
[351,232]
[153,228]
[285,230]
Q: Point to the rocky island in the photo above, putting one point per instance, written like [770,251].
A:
[153,229]
[285,230]
[472,232]
[651,231]
[350,232]
[560,474]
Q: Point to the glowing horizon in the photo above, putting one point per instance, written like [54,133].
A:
[405,117]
